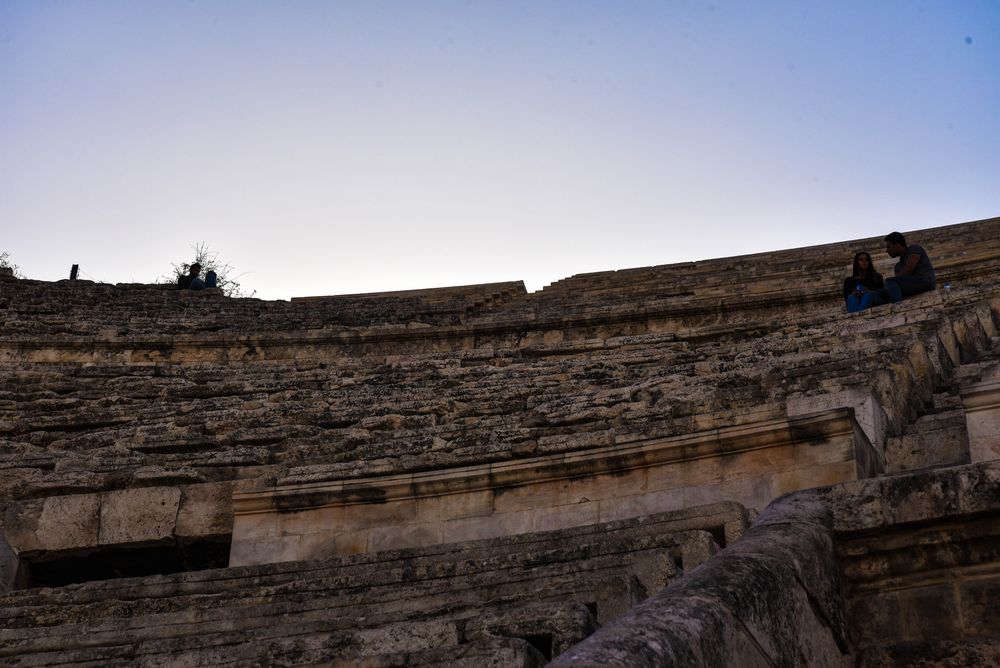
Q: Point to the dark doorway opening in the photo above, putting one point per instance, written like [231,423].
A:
[543,643]
[58,569]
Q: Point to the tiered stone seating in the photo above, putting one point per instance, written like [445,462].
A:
[83,308]
[456,301]
[959,252]
[72,429]
[187,431]
[731,291]
[365,416]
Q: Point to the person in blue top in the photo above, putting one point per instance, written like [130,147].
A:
[914,273]
[863,279]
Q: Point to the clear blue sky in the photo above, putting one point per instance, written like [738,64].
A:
[337,147]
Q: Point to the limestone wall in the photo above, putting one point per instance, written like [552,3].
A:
[152,433]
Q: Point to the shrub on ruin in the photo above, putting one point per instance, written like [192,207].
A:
[6,263]
[210,261]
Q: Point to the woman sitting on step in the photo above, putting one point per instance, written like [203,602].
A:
[863,279]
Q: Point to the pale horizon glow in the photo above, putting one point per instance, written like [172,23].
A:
[350,147]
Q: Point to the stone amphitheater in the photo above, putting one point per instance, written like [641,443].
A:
[698,464]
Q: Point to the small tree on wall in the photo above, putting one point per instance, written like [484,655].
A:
[5,263]
[210,261]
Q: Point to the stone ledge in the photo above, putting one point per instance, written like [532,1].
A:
[142,515]
[929,496]
[947,654]
[751,464]
[802,429]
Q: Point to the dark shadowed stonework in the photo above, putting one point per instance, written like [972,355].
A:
[703,464]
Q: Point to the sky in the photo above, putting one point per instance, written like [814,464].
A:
[341,147]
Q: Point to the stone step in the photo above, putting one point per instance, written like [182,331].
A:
[937,420]
[944,402]
[317,648]
[938,437]
[289,636]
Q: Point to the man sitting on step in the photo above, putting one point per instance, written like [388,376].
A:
[914,273]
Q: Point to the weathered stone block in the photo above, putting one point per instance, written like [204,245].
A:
[867,408]
[639,505]
[302,522]
[9,565]
[561,517]
[700,471]
[982,413]
[69,522]
[980,607]
[498,524]
[205,510]
[454,506]
[814,476]
[20,524]
[333,543]
[402,536]
[522,497]
[264,550]
[139,515]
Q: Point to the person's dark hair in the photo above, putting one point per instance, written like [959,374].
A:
[895,238]
[871,265]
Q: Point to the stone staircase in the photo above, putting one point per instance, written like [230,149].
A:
[937,438]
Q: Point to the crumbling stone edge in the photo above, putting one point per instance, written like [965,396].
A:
[771,599]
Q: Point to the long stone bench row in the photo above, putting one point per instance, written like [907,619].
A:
[456,300]
[627,309]
[83,308]
[720,318]
[951,246]
[671,298]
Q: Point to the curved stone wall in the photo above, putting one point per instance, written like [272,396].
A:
[152,433]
